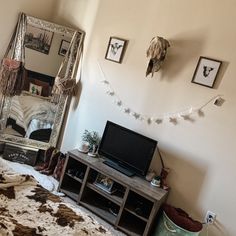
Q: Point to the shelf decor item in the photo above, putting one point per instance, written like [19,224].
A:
[156,181]
[92,139]
[84,147]
[115,50]
[105,183]
[206,71]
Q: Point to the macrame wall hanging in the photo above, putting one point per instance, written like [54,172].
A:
[157,54]
[12,64]
[65,80]
[172,117]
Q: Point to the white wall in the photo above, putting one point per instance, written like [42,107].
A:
[201,153]
[10,10]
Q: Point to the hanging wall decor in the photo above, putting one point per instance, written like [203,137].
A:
[171,117]
[115,49]
[157,54]
[206,71]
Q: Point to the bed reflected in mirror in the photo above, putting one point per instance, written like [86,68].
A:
[32,113]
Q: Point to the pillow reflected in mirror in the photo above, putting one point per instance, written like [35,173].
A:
[35,89]
[46,88]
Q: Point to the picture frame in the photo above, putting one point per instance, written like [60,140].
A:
[206,71]
[63,47]
[116,49]
[38,39]
[104,182]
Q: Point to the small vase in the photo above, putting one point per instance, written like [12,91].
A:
[93,153]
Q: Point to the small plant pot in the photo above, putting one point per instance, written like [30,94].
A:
[84,147]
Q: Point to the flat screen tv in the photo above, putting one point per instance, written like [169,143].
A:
[126,150]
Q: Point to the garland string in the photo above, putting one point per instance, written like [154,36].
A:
[173,118]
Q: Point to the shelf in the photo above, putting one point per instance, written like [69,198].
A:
[70,187]
[70,194]
[132,225]
[129,208]
[74,169]
[111,197]
[102,212]
[74,177]
[99,204]
[135,201]
[135,214]
[127,231]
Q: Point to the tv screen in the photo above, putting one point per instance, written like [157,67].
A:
[127,148]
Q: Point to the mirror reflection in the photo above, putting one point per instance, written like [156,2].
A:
[32,113]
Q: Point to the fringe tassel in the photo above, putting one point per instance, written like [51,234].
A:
[12,74]
[63,86]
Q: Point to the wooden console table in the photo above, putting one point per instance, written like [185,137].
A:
[132,207]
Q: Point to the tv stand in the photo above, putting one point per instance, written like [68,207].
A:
[120,168]
[130,205]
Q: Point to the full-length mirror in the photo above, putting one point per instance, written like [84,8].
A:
[34,116]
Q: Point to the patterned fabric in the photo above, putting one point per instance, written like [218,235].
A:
[28,209]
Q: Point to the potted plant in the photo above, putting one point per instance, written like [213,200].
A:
[93,140]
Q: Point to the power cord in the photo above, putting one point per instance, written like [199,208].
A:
[162,162]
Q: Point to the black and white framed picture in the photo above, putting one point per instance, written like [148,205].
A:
[206,71]
[104,182]
[63,47]
[115,50]
[38,39]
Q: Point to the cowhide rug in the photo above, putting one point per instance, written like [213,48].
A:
[27,209]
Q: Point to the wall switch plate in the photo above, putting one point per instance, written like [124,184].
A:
[210,217]
[219,102]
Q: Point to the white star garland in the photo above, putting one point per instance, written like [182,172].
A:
[171,117]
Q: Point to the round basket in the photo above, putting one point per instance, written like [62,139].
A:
[167,227]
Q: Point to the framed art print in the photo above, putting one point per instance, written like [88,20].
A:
[104,182]
[63,47]
[38,39]
[115,49]
[206,71]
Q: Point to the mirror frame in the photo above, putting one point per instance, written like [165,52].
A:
[63,101]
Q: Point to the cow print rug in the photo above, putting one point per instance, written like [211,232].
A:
[27,209]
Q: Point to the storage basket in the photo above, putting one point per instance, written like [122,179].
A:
[167,227]
[24,155]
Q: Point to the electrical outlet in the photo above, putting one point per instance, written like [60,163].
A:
[210,217]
